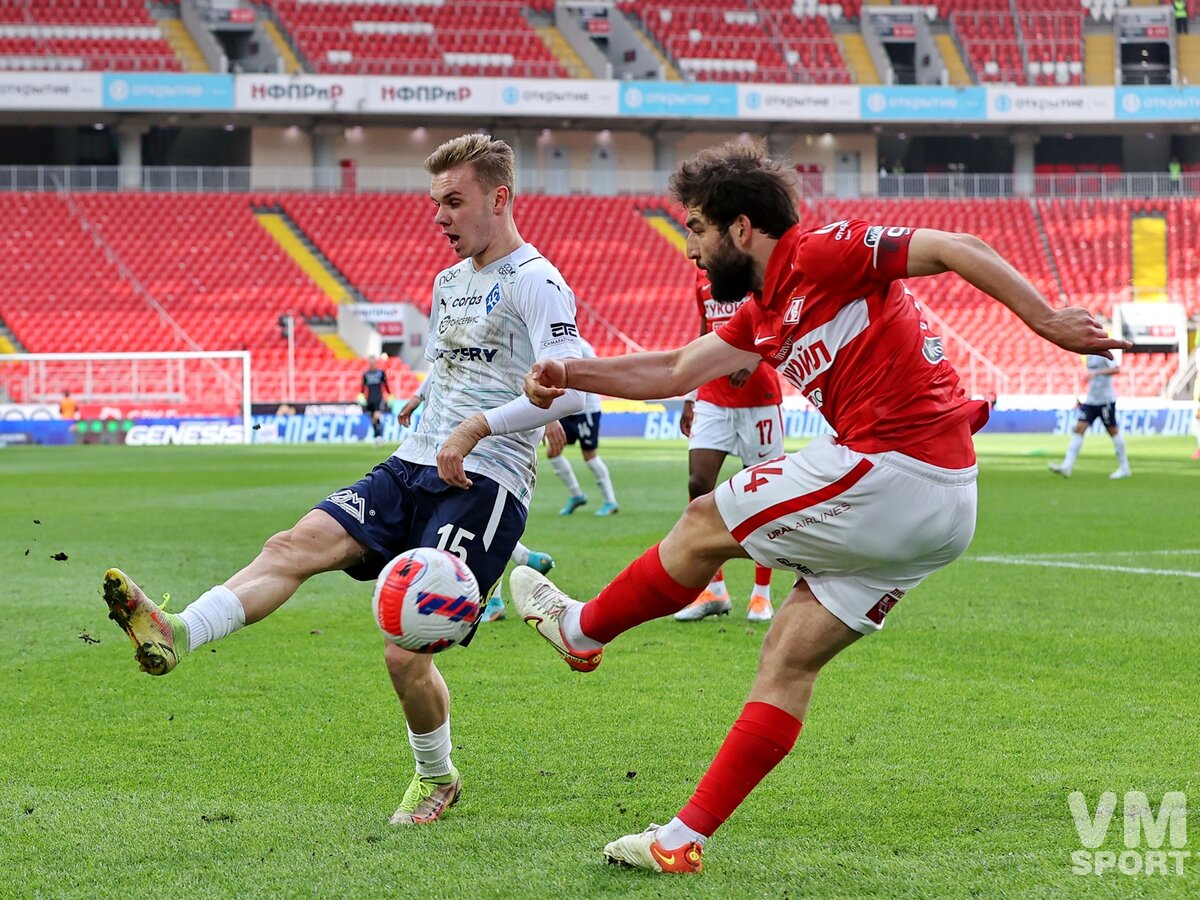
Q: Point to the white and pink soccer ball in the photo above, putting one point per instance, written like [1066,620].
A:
[426,600]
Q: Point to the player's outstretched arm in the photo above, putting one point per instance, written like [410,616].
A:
[638,376]
[932,252]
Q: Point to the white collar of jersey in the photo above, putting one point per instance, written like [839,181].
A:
[518,257]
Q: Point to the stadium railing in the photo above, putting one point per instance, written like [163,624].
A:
[232,179]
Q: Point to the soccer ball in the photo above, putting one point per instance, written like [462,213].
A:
[426,600]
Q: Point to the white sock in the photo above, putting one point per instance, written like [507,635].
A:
[432,750]
[563,470]
[520,555]
[675,834]
[1072,451]
[569,624]
[717,586]
[215,614]
[1119,446]
[600,470]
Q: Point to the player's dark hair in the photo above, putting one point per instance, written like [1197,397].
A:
[738,178]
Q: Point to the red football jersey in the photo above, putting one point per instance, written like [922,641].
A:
[762,388]
[837,322]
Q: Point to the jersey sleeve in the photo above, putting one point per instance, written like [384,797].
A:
[548,307]
[856,253]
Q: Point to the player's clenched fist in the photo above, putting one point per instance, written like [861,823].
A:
[546,381]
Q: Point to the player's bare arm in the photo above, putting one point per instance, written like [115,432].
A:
[555,438]
[932,252]
[638,376]
[405,414]
[740,377]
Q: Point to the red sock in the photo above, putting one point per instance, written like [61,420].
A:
[760,738]
[720,576]
[762,576]
[644,591]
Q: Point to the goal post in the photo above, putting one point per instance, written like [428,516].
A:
[184,384]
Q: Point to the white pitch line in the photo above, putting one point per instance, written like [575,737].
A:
[1086,553]
[1062,564]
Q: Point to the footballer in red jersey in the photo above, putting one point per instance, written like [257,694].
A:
[861,517]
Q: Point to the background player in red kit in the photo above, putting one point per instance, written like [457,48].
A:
[861,518]
[736,414]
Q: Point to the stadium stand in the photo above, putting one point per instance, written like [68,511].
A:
[63,35]
[81,268]
[767,41]
[491,39]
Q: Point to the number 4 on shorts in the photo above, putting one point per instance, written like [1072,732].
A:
[759,477]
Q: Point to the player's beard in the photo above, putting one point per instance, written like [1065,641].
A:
[730,272]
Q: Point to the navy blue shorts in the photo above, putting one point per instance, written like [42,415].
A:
[401,505]
[583,427]
[1105,412]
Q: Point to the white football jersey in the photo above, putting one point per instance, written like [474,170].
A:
[487,327]
[1100,387]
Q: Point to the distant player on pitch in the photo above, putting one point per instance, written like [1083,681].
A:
[375,396]
[584,428]
[1100,403]
[493,314]
[863,518]
[738,414]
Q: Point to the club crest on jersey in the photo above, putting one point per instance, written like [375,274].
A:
[493,299]
[933,351]
[792,316]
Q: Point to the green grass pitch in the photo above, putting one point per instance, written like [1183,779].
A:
[1059,654]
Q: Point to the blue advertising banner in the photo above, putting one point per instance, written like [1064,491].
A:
[167,90]
[658,425]
[924,104]
[1158,104]
[677,99]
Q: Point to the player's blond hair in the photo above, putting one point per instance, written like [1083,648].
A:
[490,159]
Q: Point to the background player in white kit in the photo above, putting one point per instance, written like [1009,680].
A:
[736,414]
[1100,403]
[584,428]
[493,314]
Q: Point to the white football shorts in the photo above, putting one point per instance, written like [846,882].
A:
[861,529]
[753,433]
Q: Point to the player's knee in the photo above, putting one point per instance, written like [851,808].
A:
[784,657]
[404,666]
[281,546]
[698,485]
[703,528]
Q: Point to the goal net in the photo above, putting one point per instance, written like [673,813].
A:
[107,386]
